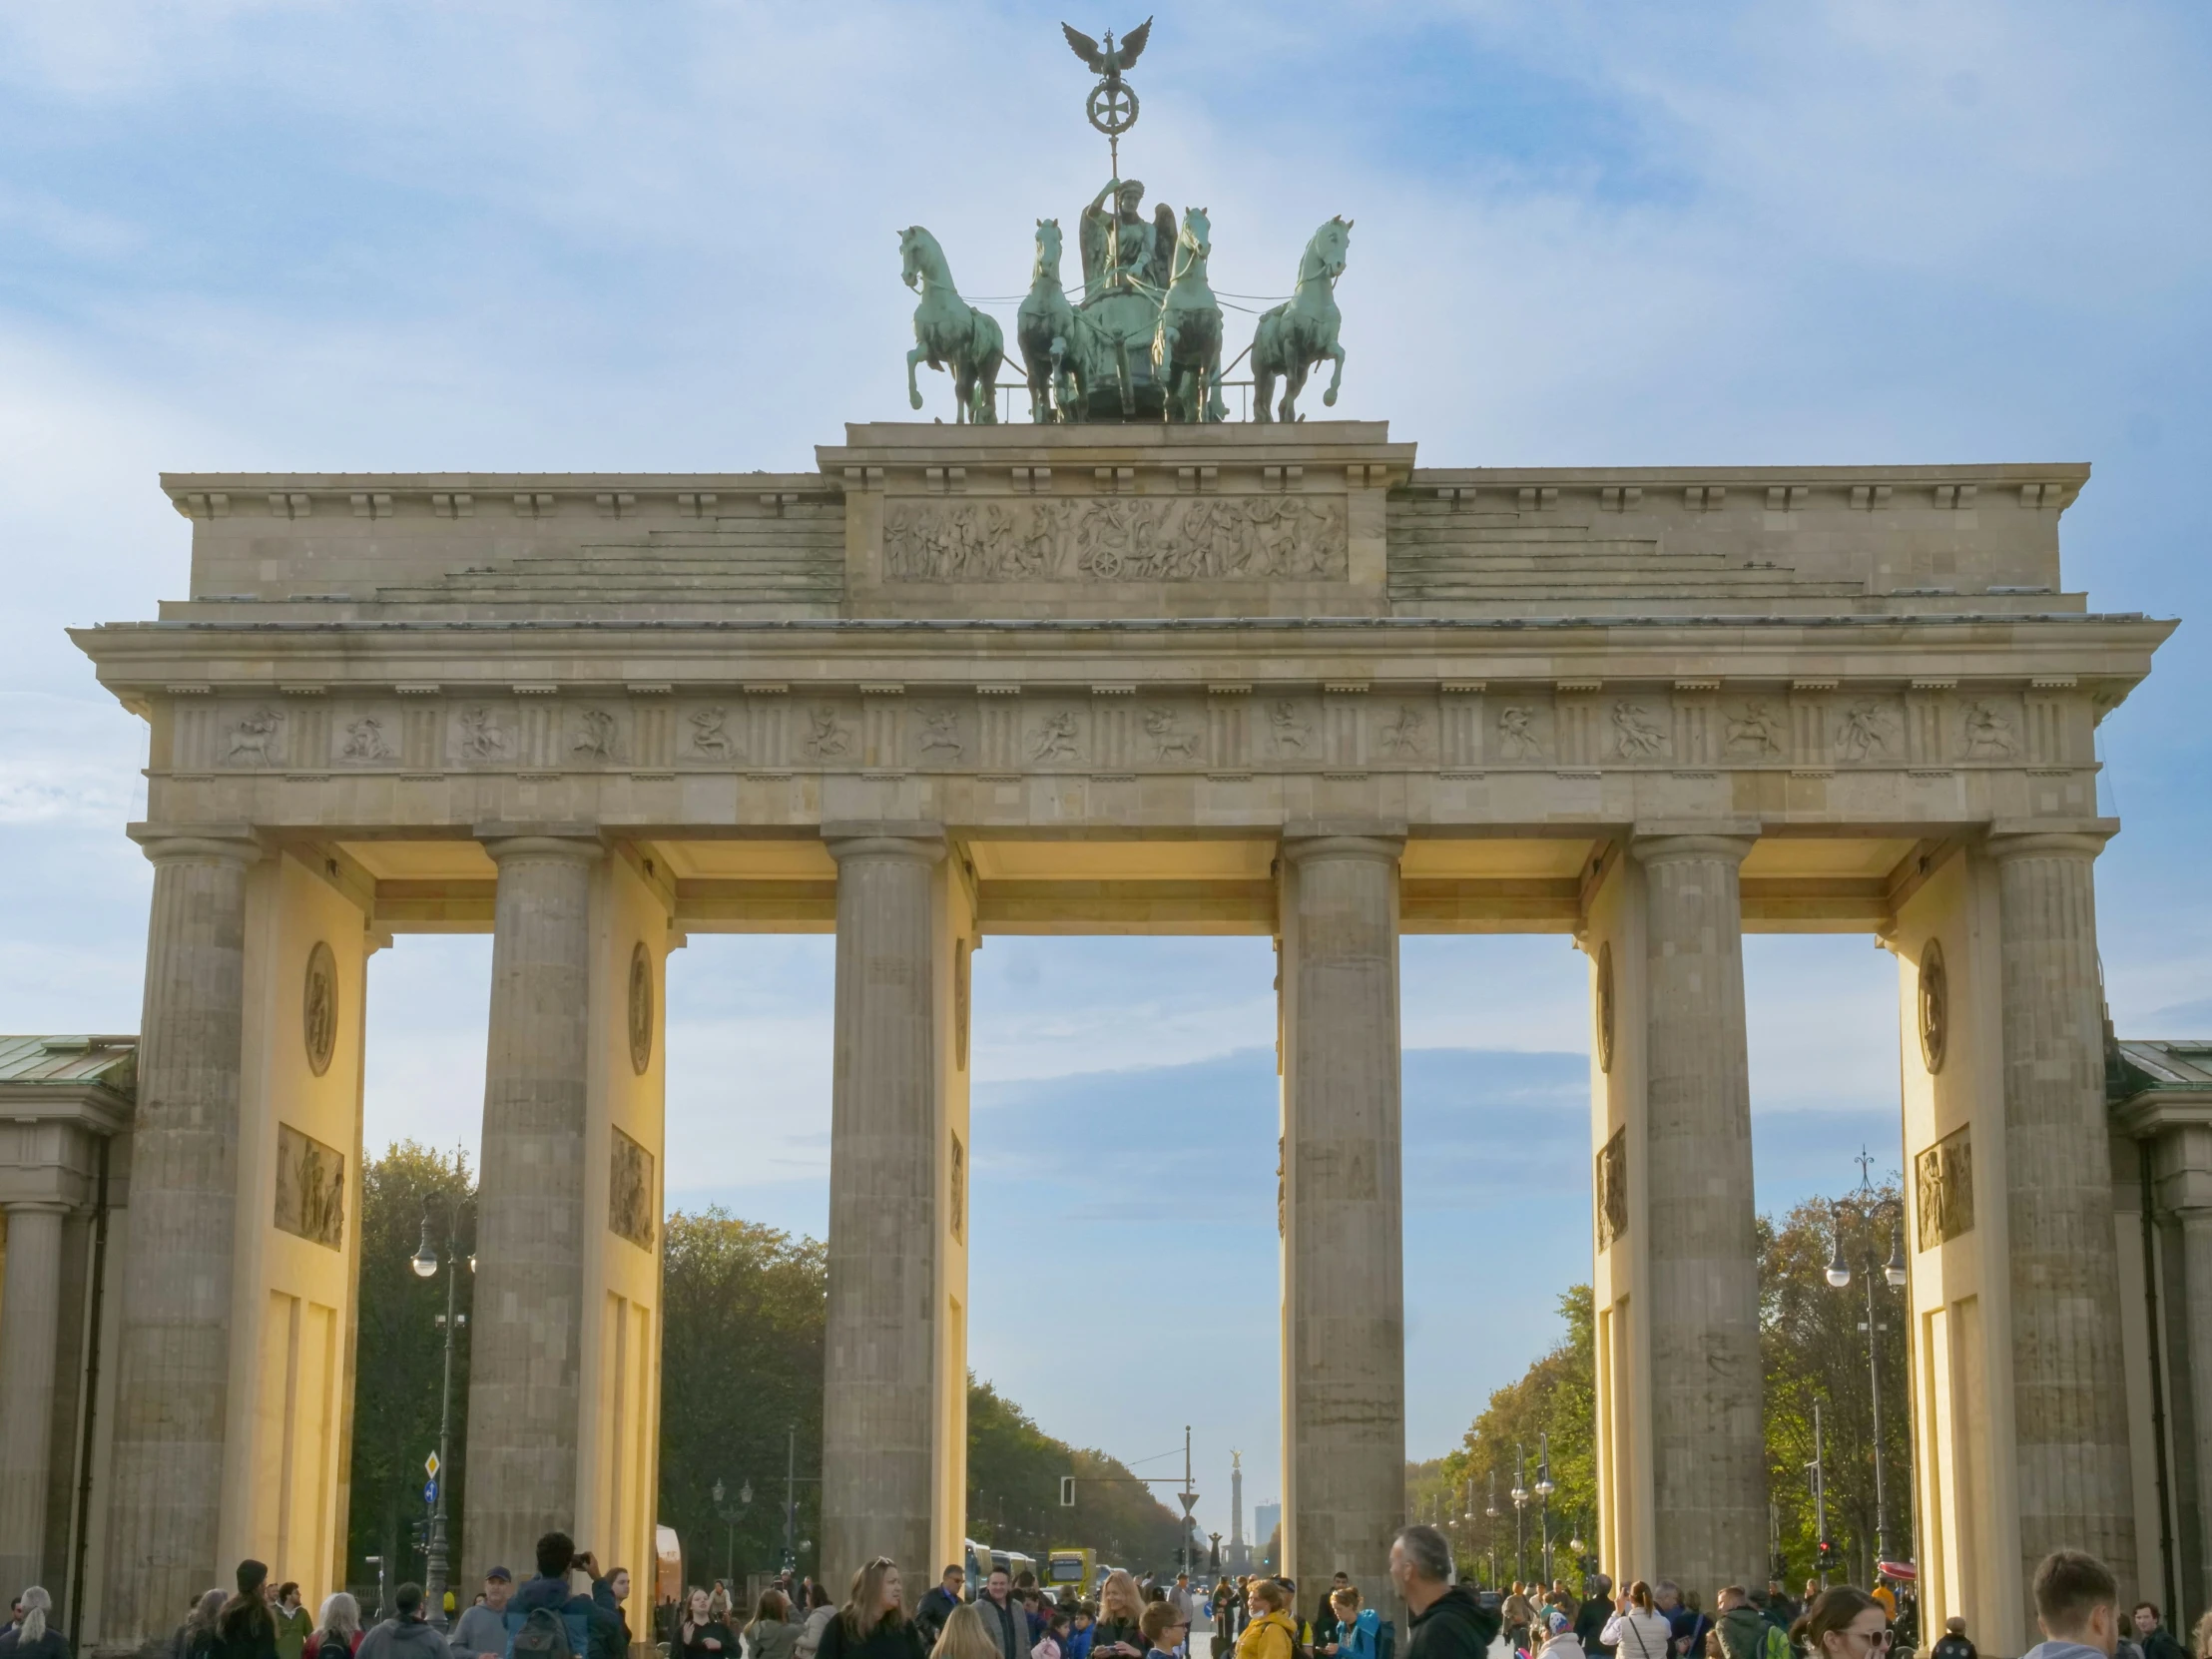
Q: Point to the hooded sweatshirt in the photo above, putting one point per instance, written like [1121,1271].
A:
[1455,1626]
[1741,1634]
[403,1639]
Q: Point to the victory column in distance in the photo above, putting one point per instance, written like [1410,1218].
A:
[1145,342]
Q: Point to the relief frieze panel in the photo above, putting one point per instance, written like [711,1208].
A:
[1346,727]
[1280,537]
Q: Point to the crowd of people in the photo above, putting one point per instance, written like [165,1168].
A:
[2077,1607]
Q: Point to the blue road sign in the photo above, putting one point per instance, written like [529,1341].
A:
[429,1492]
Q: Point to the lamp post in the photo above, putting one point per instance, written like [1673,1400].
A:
[425,1265]
[1519,1496]
[730,1518]
[1544,1489]
[1839,1276]
[1491,1512]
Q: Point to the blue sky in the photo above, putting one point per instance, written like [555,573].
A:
[275,233]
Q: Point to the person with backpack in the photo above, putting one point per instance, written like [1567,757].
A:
[337,1630]
[548,1619]
[1743,1633]
[1358,1629]
[1952,1644]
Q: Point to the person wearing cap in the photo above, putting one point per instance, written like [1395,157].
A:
[246,1628]
[406,1634]
[483,1628]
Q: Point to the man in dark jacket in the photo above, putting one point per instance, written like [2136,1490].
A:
[587,1625]
[1448,1622]
[2156,1641]
[938,1604]
[1593,1613]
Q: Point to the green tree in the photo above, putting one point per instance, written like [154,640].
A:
[401,1348]
[1554,1400]
[743,1321]
[1013,1491]
[1813,1338]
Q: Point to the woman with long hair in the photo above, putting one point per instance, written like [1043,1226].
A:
[1842,1624]
[337,1630]
[772,1635]
[1119,1633]
[196,1638]
[872,1623]
[1638,1630]
[246,1628]
[820,1615]
[966,1636]
[702,1633]
[1270,1633]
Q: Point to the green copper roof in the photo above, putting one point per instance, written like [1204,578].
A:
[2145,1065]
[110,1063]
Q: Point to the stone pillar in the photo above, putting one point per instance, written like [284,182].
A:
[526,1337]
[1709,1462]
[30,1335]
[1344,1421]
[880,1404]
[2192,1311]
[2073,1476]
[173,1352]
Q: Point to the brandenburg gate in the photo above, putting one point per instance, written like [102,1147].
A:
[1149,678]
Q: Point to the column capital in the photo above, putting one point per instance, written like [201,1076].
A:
[884,839]
[36,1207]
[2027,838]
[1668,840]
[1377,849]
[576,842]
[164,844]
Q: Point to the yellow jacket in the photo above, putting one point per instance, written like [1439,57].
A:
[1270,1636]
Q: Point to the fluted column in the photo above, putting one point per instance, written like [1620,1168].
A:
[2068,1388]
[526,1339]
[173,1355]
[879,1403]
[29,1334]
[1709,1465]
[2195,1314]
[1345,1303]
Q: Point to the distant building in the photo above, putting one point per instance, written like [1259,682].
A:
[1267,1526]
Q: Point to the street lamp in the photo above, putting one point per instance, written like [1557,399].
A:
[426,1264]
[730,1518]
[1519,1496]
[1894,1270]
[1544,1489]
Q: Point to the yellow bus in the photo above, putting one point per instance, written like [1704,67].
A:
[1070,1571]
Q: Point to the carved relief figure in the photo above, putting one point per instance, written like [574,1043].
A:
[1402,735]
[1634,736]
[1989,733]
[595,734]
[481,738]
[1290,734]
[1115,539]
[940,729]
[311,1189]
[1517,735]
[319,1007]
[1942,1189]
[365,741]
[1054,739]
[710,731]
[1168,741]
[826,739]
[255,737]
[1612,1189]
[1757,729]
[1863,732]
[629,1203]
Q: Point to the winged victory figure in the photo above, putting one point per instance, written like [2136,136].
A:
[1112,60]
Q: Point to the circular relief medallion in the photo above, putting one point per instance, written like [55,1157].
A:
[640,1010]
[318,1011]
[1935,1000]
[1605,1006]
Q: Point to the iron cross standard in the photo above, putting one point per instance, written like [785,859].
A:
[1112,105]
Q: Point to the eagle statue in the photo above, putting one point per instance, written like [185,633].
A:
[1112,60]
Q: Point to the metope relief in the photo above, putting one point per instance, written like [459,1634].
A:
[630,1191]
[255,738]
[368,740]
[593,736]
[311,1189]
[1755,729]
[1988,732]
[1291,730]
[1636,734]
[1611,1194]
[1942,1189]
[710,732]
[1055,737]
[1405,733]
[1517,738]
[481,735]
[939,739]
[1865,731]
[1170,738]
[1116,539]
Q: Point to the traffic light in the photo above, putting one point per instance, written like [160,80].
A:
[1828,1555]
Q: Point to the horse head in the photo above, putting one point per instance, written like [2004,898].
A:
[1326,254]
[920,258]
[1197,234]
[1048,248]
